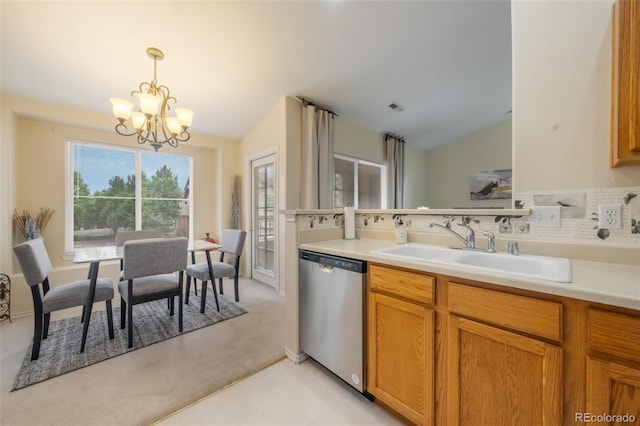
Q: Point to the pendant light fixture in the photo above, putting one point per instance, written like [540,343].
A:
[147,123]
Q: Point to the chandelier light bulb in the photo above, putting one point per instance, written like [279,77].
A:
[173,125]
[138,119]
[121,108]
[148,103]
[185,117]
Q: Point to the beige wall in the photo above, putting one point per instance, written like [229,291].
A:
[355,141]
[561,77]
[416,177]
[448,167]
[33,137]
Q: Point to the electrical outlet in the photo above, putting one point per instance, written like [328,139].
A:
[610,216]
[545,216]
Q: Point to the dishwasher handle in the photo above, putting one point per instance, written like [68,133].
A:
[326,268]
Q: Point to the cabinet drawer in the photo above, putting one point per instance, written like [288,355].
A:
[614,333]
[410,285]
[539,317]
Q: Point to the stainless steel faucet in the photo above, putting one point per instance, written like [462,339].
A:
[491,241]
[469,239]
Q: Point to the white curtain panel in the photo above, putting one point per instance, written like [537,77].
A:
[317,165]
[395,171]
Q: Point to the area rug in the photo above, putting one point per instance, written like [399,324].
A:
[60,352]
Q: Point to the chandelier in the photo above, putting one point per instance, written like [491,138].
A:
[146,123]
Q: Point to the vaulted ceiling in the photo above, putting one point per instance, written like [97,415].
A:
[448,63]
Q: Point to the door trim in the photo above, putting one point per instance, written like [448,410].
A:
[248,211]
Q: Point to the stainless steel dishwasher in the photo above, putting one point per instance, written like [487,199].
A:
[331,295]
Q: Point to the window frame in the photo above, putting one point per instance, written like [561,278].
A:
[69,196]
[356,195]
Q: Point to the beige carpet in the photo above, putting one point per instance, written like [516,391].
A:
[148,384]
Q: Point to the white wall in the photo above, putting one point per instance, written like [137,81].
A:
[561,77]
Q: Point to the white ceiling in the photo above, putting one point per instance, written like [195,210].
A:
[447,62]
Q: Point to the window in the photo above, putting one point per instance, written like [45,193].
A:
[359,183]
[111,189]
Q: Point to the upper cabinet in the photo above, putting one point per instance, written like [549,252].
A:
[625,84]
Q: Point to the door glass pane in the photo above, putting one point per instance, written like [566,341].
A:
[264,217]
[369,186]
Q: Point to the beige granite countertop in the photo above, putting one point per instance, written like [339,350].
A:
[611,284]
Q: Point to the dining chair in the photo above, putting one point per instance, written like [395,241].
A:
[124,236]
[149,274]
[231,243]
[36,266]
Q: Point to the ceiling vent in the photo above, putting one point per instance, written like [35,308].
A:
[396,107]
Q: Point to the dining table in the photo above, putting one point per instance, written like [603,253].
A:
[95,255]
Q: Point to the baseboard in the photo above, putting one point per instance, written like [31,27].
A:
[295,358]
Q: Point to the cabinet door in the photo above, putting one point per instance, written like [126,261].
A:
[400,368]
[501,378]
[613,389]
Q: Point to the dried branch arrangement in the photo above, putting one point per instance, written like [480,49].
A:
[29,226]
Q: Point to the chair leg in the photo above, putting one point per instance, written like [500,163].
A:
[130,324]
[203,299]
[235,285]
[45,328]
[195,286]
[84,309]
[180,306]
[186,292]
[171,305]
[37,334]
[110,319]
[215,293]
[221,287]
[123,311]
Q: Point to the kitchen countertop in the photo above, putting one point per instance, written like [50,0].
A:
[611,284]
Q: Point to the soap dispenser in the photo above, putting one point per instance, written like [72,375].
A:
[401,232]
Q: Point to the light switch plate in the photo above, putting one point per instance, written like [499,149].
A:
[610,216]
[545,216]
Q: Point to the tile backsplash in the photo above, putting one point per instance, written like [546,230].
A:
[579,219]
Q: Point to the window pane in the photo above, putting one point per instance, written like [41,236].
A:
[103,194]
[172,216]
[369,186]
[165,193]
[105,188]
[344,191]
[165,175]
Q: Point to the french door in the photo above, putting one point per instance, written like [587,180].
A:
[264,219]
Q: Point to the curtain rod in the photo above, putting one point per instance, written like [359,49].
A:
[306,102]
[393,135]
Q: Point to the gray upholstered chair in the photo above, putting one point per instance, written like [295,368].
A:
[124,236]
[231,243]
[149,274]
[36,266]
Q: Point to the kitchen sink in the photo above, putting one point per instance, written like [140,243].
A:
[541,267]
[547,268]
[417,251]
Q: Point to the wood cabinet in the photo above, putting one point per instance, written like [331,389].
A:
[613,366]
[400,342]
[449,351]
[501,377]
[625,84]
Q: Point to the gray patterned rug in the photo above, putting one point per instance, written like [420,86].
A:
[60,352]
